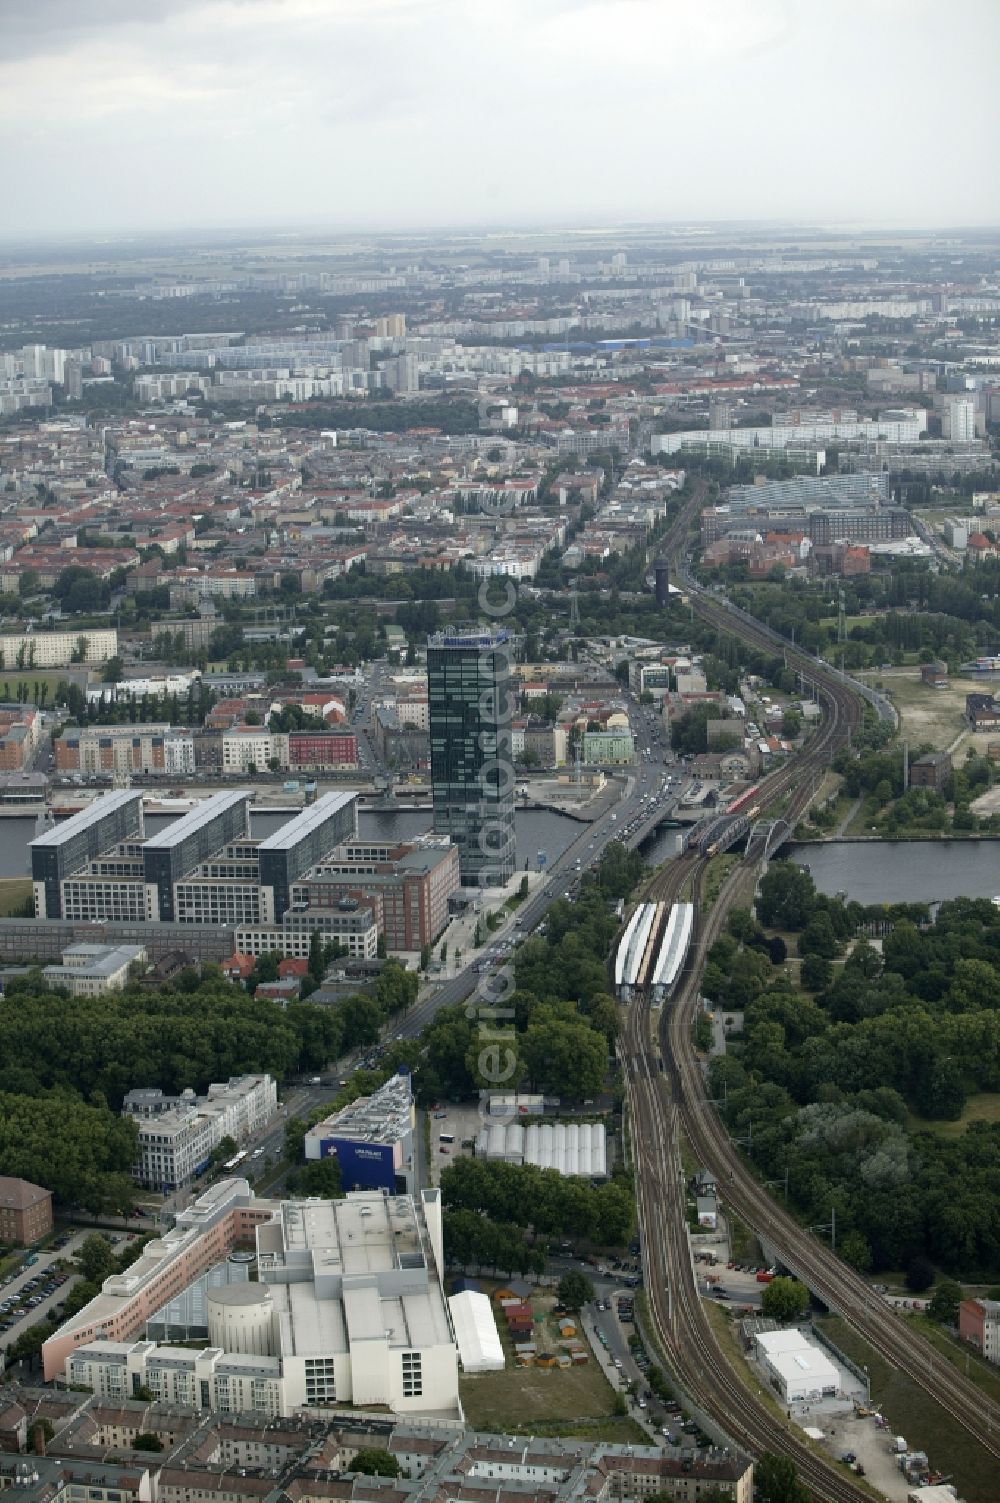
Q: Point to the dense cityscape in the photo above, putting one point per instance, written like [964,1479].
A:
[499,757]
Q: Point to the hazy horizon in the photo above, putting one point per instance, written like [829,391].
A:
[367,116]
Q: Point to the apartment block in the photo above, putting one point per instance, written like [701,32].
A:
[979,1323]
[57,649]
[252,748]
[310,751]
[178,1133]
[119,749]
[18,737]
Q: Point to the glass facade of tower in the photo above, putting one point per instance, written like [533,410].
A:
[470,690]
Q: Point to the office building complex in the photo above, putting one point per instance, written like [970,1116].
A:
[372,1139]
[807,494]
[408,885]
[472,766]
[349,1308]
[351,925]
[70,846]
[178,849]
[299,845]
[203,869]
[869,526]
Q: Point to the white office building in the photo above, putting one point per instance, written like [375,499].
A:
[178,1133]
[91,970]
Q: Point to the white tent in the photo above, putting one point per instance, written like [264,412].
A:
[479,1348]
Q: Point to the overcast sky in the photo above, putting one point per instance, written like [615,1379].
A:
[168,114]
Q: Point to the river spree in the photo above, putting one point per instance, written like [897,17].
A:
[869,871]
[904,871]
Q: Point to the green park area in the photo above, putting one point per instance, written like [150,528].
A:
[15,892]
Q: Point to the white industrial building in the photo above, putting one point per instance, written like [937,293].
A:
[796,1367]
[349,1309]
[479,1347]
[570,1147]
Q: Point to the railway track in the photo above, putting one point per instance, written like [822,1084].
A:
[662,1104]
[676,1311]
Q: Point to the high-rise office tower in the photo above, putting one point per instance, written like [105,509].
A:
[661,581]
[470,691]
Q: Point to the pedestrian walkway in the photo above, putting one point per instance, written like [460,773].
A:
[460,935]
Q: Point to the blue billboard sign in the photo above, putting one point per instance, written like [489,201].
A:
[363,1166]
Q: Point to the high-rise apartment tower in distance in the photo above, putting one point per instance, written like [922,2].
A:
[470,691]
[958,419]
[661,581]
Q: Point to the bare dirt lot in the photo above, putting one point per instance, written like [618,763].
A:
[936,716]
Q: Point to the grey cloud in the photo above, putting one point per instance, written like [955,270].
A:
[28,27]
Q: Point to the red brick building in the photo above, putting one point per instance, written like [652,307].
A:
[25,1211]
[18,737]
[408,886]
[308,749]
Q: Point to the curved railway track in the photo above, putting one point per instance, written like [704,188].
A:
[663,1104]
[676,1311]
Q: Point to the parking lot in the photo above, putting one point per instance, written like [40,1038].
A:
[36,1289]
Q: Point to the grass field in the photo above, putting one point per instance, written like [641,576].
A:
[718,870]
[573,1401]
[982,1373]
[32,676]
[14,891]
[545,1401]
[911,1412]
[983,1107]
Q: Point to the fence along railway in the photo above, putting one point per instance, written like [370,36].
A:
[666,1094]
